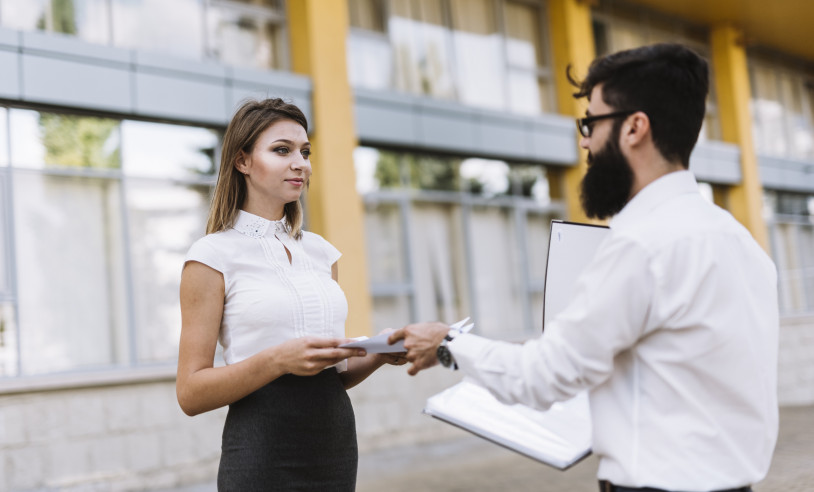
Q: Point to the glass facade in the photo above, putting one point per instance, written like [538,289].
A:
[485,53]
[245,33]
[449,237]
[619,27]
[790,219]
[101,215]
[782,108]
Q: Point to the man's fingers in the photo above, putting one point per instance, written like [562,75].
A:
[396,336]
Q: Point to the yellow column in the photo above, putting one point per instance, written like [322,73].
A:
[318,32]
[732,87]
[572,39]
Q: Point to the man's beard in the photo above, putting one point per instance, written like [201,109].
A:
[605,189]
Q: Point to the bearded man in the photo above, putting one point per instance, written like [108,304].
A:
[673,329]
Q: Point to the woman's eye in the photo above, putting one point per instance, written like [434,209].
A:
[306,153]
[281,150]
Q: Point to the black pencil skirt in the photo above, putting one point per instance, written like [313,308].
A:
[297,433]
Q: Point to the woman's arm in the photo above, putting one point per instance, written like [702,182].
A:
[200,386]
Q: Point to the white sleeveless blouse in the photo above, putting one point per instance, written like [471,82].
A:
[267,299]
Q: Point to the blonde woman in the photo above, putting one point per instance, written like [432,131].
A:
[268,291]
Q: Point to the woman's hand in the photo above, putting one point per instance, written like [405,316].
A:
[310,355]
[394,359]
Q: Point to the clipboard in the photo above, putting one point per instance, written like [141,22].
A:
[560,436]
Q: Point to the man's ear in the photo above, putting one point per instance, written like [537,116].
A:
[242,162]
[636,129]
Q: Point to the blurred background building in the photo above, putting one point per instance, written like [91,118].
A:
[444,144]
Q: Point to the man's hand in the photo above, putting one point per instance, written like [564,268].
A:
[421,341]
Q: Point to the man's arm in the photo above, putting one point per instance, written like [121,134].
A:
[608,314]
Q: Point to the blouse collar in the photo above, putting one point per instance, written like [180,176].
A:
[255,226]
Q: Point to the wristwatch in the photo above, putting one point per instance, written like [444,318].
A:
[443,353]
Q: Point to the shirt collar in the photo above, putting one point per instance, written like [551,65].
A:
[654,194]
[255,226]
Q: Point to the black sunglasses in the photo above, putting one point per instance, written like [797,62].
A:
[586,125]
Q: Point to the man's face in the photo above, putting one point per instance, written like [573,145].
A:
[606,186]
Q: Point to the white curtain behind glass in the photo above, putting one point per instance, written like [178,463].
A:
[478,54]
[164,221]
[497,282]
[70,274]
[439,272]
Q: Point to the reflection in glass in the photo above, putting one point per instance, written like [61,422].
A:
[531,181]
[433,173]
[485,176]
[173,28]
[385,246]
[4,137]
[172,151]
[370,59]
[479,54]
[537,229]
[5,237]
[86,19]
[497,281]
[71,295]
[439,270]
[244,37]
[8,340]
[58,140]
[390,312]
[421,48]
[164,220]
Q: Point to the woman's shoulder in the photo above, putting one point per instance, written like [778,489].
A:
[315,243]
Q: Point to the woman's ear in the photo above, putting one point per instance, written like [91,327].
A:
[242,162]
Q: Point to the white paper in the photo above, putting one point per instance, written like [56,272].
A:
[559,436]
[377,344]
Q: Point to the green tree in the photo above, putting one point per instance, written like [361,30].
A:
[79,141]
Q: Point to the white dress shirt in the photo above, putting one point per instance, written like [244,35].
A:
[674,330]
[267,299]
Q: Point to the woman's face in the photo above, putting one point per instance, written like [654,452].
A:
[278,166]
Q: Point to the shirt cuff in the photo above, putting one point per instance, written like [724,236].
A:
[466,349]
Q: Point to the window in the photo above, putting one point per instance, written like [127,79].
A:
[370,61]
[791,235]
[485,53]
[246,33]
[450,237]
[103,213]
[85,19]
[173,28]
[783,123]
[618,27]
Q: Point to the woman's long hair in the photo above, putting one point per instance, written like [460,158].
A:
[250,120]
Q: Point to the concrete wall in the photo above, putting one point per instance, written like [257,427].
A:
[796,364]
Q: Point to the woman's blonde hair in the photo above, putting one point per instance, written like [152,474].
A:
[250,120]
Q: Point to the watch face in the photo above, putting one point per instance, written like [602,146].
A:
[444,356]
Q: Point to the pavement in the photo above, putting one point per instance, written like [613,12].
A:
[471,464]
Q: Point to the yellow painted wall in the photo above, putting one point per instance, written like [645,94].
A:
[318,30]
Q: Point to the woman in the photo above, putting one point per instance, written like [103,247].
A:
[268,290]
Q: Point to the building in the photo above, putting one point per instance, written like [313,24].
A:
[444,142]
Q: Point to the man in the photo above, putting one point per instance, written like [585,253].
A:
[673,328]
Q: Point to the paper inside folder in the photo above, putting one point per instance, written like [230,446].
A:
[559,437]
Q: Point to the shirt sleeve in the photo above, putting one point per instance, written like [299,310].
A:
[607,315]
[331,253]
[204,251]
